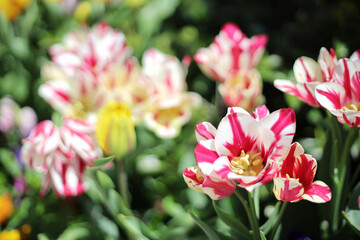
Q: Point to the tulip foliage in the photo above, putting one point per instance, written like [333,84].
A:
[169,119]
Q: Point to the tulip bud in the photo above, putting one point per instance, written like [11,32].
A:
[115,129]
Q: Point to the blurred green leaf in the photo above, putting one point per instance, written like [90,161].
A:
[104,180]
[232,222]
[117,204]
[20,47]
[151,15]
[75,231]
[42,236]
[9,162]
[102,162]
[15,85]
[28,19]
[206,228]
[352,218]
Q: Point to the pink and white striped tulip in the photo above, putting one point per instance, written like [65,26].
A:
[308,75]
[214,188]
[62,153]
[90,52]
[230,52]
[341,96]
[294,181]
[248,148]
[243,90]
[65,175]
[168,105]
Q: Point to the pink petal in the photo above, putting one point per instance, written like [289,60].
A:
[327,63]
[236,132]
[218,189]
[288,190]
[330,95]
[260,112]
[206,155]
[318,193]
[307,70]
[352,118]
[205,131]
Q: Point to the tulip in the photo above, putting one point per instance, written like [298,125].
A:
[230,52]
[115,129]
[341,96]
[294,181]
[248,148]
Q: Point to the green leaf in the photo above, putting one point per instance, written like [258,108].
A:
[104,180]
[7,159]
[151,16]
[42,236]
[101,162]
[262,235]
[232,222]
[75,231]
[207,230]
[352,218]
[117,203]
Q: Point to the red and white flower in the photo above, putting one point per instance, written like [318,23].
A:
[62,153]
[168,105]
[248,148]
[294,181]
[214,188]
[230,52]
[88,67]
[309,74]
[341,96]
[243,90]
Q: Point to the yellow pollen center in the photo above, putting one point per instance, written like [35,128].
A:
[199,175]
[351,106]
[247,164]
[166,115]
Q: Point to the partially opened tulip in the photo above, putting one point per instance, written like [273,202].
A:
[309,74]
[294,181]
[341,96]
[115,129]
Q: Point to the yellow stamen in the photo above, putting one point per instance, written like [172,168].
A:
[287,176]
[351,106]
[247,164]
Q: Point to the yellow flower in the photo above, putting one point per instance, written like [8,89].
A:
[10,235]
[115,129]
[12,8]
[82,11]
[6,207]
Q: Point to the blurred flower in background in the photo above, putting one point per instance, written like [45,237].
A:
[231,60]
[6,207]
[13,8]
[115,129]
[13,117]
[62,154]
[168,106]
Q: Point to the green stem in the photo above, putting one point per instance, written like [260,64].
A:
[105,203]
[122,182]
[249,215]
[340,175]
[256,228]
[278,220]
